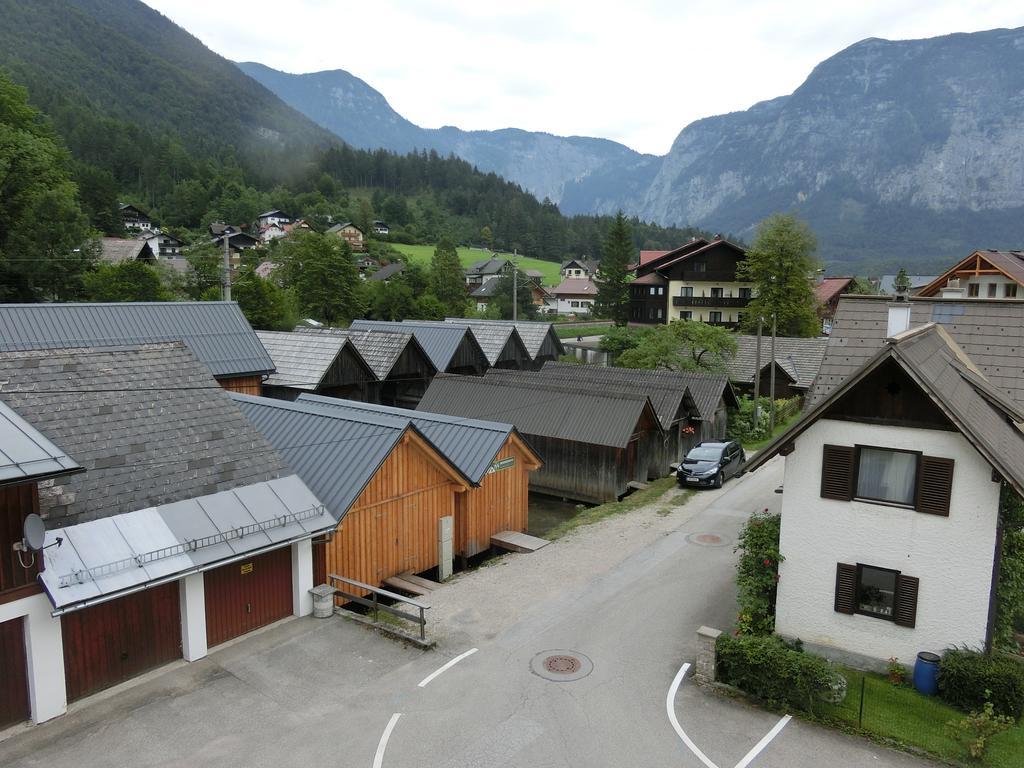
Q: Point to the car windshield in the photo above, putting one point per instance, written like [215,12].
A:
[704,454]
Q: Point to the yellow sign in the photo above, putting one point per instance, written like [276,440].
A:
[246,568]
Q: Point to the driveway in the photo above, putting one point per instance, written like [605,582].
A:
[623,597]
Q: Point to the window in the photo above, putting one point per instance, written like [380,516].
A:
[700,266]
[574,304]
[885,476]
[745,293]
[972,290]
[661,313]
[1010,290]
[687,291]
[652,291]
[992,290]
[661,290]
[685,315]
[882,593]
[716,293]
[714,317]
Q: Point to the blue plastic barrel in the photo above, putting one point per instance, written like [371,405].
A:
[926,673]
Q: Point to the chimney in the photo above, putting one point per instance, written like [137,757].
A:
[952,289]
[899,317]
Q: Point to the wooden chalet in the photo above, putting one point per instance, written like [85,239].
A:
[539,338]
[593,444]
[451,349]
[491,455]
[990,274]
[216,332]
[326,364]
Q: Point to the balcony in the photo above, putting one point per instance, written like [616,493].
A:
[709,301]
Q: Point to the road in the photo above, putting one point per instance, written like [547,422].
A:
[331,693]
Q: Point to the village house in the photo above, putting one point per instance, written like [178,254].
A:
[579,268]
[987,274]
[141,572]
[134,219]
[697,281]
[117,250]
[451,348]
[574,296]
[322,363]
[275,218]
[166,247]
[827,291]
[890,510]
[216,332]
[487,270]
[797,362]
[381,227]
[351,234]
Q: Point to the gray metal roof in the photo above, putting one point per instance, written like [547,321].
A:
[666,397]
[216,331]
[26,453]
[439,340]
[991,332]
[388,271]
[547,410]
[148,423]
[303,359]
[499,342]
[103,558]
[380,349]
[469,444]
[539,338]
[990,420]
[707,389]
[335,454]
[800,358]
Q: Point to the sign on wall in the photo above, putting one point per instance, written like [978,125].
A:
[501,464]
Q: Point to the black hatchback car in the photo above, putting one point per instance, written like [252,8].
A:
[711,464]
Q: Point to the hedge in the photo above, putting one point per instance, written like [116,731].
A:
[768,669]
[965,676]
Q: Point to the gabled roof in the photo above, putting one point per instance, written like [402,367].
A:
[471,445]
[991,421]
[216,331]
[575,286]
[338,227]
[648,256]
[799,358]
[303,360]
[1008,263]
[380,349]
[651,278]
[388,271]
[486,290]
[830,288]
[148,423]
[539,337]
[688,251]
[335,453]
[489,266]
[115,250]
[129,206]
[276,214]
[26,453]
[598,418]
[498,341]
[590,265]
[439,340]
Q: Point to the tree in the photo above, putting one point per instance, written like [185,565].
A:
[447,280]
[42,227]
[266,305]
[204,276]
[501,300]
[613,274]
[391,300]
[682,345]
[323,275]
[128,281]
[781,263]
[487,236]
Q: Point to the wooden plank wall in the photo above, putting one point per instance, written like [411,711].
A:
[501,503]
[14,703]
[244,385]
[247,595]
[16,502]
[579,471]
[392,527]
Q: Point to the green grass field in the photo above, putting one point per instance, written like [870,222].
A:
[420,254]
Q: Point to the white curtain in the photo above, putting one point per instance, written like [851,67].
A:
[887,475]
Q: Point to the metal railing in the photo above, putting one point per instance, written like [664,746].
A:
[710,301]
[373,601]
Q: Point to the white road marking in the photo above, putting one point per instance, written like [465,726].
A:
[423,683]
[670,708]
[764,742]
[378,759]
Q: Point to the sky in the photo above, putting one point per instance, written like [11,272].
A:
[635,72]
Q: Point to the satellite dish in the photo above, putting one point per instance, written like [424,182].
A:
[34,532]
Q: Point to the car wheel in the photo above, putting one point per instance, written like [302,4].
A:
[719,479]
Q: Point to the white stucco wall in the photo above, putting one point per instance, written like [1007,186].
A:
[951,556]
[45,651]
[302,577]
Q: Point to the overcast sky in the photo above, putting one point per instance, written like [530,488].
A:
[636,72]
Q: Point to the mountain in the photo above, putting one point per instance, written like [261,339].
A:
[541,163]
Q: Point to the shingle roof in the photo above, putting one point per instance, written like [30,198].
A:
[148,423]
[487,266]
[115,250]
[575,286]
[26,453]
[303,359]
[498,341]
[610,419]
[799,358]
[651,278]
[380,349]
[439,340]
[335,453]
[469,444]
[216,331]
[388,271]
[830,287]
[706,389]
[538,337]
[990,332]
[648,256]
[989,420]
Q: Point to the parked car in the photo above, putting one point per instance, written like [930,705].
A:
[711,464]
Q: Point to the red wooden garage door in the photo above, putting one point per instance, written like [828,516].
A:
[14,707]
[112,642]
[246,595]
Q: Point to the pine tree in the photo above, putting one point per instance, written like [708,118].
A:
[447,280]
[613,275]
[322,273]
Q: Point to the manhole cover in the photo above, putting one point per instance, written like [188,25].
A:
[561,666]
[707,539]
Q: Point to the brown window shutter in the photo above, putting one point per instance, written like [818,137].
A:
[837,470]
[934,485]
[846,588]
[905,613]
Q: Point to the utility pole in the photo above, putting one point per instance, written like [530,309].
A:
[771,419]
[757,375]
[515,286]
[226,289]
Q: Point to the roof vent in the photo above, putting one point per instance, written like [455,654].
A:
[952,289]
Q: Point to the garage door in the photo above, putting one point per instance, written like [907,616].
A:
[246,595]
[112,642]
[14,706]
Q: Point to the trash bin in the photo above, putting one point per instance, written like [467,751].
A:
[323,601]
[926,673]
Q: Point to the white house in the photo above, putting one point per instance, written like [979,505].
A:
[273,219]
[581,268]
[574,296]
[890,503]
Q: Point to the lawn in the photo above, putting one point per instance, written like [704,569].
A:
[420,254]
[901,714]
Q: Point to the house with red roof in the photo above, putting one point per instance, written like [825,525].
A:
[827,292]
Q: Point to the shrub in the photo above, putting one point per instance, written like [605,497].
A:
[974,731]
[967,679]
[757,573]
[767,668]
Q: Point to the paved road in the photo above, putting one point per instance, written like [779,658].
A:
[322,693]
